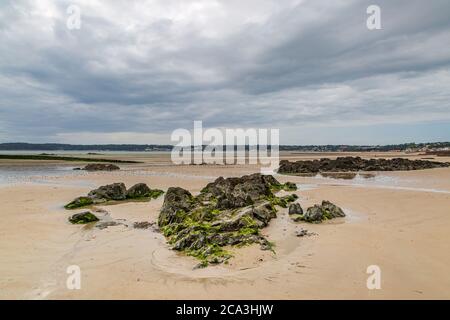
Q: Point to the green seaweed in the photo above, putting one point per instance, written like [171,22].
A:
[209,254]
[79,203]
[282,201]
[82,202]
[155,193]
[288,186]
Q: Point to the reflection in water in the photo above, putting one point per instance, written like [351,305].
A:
[346,175]
[336,175]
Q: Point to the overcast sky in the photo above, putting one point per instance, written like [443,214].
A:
[137,70]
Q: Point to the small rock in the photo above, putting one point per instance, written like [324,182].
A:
[139,190]
[101,167]
[115,191]
[333,209]
[290,186]
[295,208]
[318,213]
[303,233]
[313,214]
[83,218]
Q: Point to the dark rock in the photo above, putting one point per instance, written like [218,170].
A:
[101,167]
[83,218]
[266,245]
[314,214]
[290,186]
[177,203]
[318,213]
[332,209]
[115,191]
[304,233]
[295,208]
[353,164]
[140,190]
[264,212]
[238,192]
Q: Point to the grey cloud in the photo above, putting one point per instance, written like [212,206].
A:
[151,69]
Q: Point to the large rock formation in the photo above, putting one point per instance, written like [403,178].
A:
[353,164]
[115,192]
[226,212]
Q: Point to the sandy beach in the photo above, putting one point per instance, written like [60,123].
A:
[399,221]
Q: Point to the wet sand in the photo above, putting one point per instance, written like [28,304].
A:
[399,221]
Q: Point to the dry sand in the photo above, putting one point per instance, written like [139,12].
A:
[399,221]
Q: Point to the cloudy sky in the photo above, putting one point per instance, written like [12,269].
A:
[136,70]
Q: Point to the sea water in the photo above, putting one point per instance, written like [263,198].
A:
[33,173]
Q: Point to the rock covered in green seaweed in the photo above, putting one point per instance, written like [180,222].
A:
[83,218]
[142,191]
[295,208]
[79,202]
[227,212]
[115,192]
[319,213]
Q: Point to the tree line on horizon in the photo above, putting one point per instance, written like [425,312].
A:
[155,147]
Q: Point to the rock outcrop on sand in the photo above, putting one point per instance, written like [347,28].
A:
[295,208]
[353,164]
[319,213]
[79,202]
[115,192]
[83,218]
[226,212]
[142,191]
[100,167]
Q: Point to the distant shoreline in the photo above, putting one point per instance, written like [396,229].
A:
[59,158]
[56,147]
